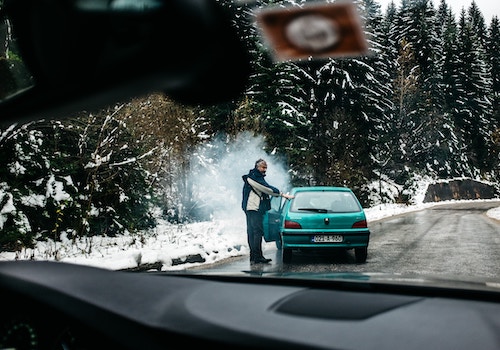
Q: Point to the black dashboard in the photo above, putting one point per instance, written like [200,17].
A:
[51,305]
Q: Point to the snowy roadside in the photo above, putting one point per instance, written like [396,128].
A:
[174,247]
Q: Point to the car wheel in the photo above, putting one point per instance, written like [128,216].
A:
[361,254]
[287,255]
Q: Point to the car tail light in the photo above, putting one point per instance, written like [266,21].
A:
[360,224]
[292,224]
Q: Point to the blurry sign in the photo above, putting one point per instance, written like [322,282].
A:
[317,31]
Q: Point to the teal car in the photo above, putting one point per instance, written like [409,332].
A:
[319,217]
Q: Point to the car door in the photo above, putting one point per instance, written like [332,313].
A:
[272,222]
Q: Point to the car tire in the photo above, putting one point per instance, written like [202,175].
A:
[287,255]
[361,254]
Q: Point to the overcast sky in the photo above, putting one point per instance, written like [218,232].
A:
[489,8]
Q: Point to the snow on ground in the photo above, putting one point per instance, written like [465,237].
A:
[171,244]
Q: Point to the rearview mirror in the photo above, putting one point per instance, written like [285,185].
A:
[85,54]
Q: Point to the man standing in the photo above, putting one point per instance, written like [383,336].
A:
[254,188]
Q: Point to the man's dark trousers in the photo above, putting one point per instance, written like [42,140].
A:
[255,232]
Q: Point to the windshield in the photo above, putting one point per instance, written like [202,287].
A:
[406,118]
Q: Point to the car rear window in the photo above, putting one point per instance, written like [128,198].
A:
[328,201]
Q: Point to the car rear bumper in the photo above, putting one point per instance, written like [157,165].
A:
[351,240]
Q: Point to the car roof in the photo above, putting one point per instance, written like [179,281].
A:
[320,189]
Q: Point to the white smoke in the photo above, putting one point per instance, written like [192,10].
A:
[218,167]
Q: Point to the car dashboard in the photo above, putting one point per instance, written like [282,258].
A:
[53,305]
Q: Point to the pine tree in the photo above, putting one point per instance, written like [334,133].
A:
[457,164]
[472,95]
[493,59]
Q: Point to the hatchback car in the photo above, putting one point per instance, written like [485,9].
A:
[319,217]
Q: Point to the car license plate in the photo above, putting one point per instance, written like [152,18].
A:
[328,239]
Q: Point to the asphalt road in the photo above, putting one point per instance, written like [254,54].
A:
[455,239]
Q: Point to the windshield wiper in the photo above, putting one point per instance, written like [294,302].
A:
[317,210]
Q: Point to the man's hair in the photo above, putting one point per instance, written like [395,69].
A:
[259,162]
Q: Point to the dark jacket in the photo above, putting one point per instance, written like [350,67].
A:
[258,177]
